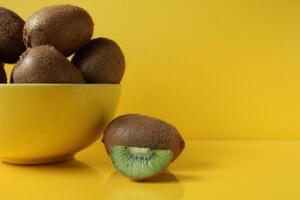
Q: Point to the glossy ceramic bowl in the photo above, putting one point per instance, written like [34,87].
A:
[46,123]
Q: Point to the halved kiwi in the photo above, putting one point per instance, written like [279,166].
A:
[141,146]
[139,162]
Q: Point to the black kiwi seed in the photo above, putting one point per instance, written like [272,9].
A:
[2,74]
[44,64]
[65,27]
[101,61]
[141,146]
[11,36]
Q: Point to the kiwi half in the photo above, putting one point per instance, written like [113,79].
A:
[139,162]
[141,146]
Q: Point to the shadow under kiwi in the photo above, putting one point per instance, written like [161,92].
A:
[167,177]
[166,186]
[198,156]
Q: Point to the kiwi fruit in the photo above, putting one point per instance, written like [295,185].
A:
[11,36]
[141,146]
[101,61]
[44,64]
[65,27]
[2,74]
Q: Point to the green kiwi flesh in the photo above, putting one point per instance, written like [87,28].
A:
[140,163]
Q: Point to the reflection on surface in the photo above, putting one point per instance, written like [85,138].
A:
[163,187]
[68,167]
[47,182]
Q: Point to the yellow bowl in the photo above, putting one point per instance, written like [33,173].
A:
[46,123]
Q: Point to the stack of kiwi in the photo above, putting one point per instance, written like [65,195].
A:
[40,47]
[139,146]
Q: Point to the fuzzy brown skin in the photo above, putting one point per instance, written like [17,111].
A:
[65,27]
[44,64]
[3,78]
[133,130]
[101,61]
[11,36]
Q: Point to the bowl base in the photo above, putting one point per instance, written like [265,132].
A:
[39,161]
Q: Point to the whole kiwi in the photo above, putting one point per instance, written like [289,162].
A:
[44,64]
[65,27]
[11,36]
[141,147]
[2,74]
[101,61]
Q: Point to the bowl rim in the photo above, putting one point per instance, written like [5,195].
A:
[4,85]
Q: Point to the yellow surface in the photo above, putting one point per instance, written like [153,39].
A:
[218,170]
[217,69]
[45,123]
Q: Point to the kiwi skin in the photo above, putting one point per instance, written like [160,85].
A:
[101,61]
[65,27]
[44,64]
[11,36]
[134,130]
[3,78]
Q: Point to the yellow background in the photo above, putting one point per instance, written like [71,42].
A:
[216,69]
